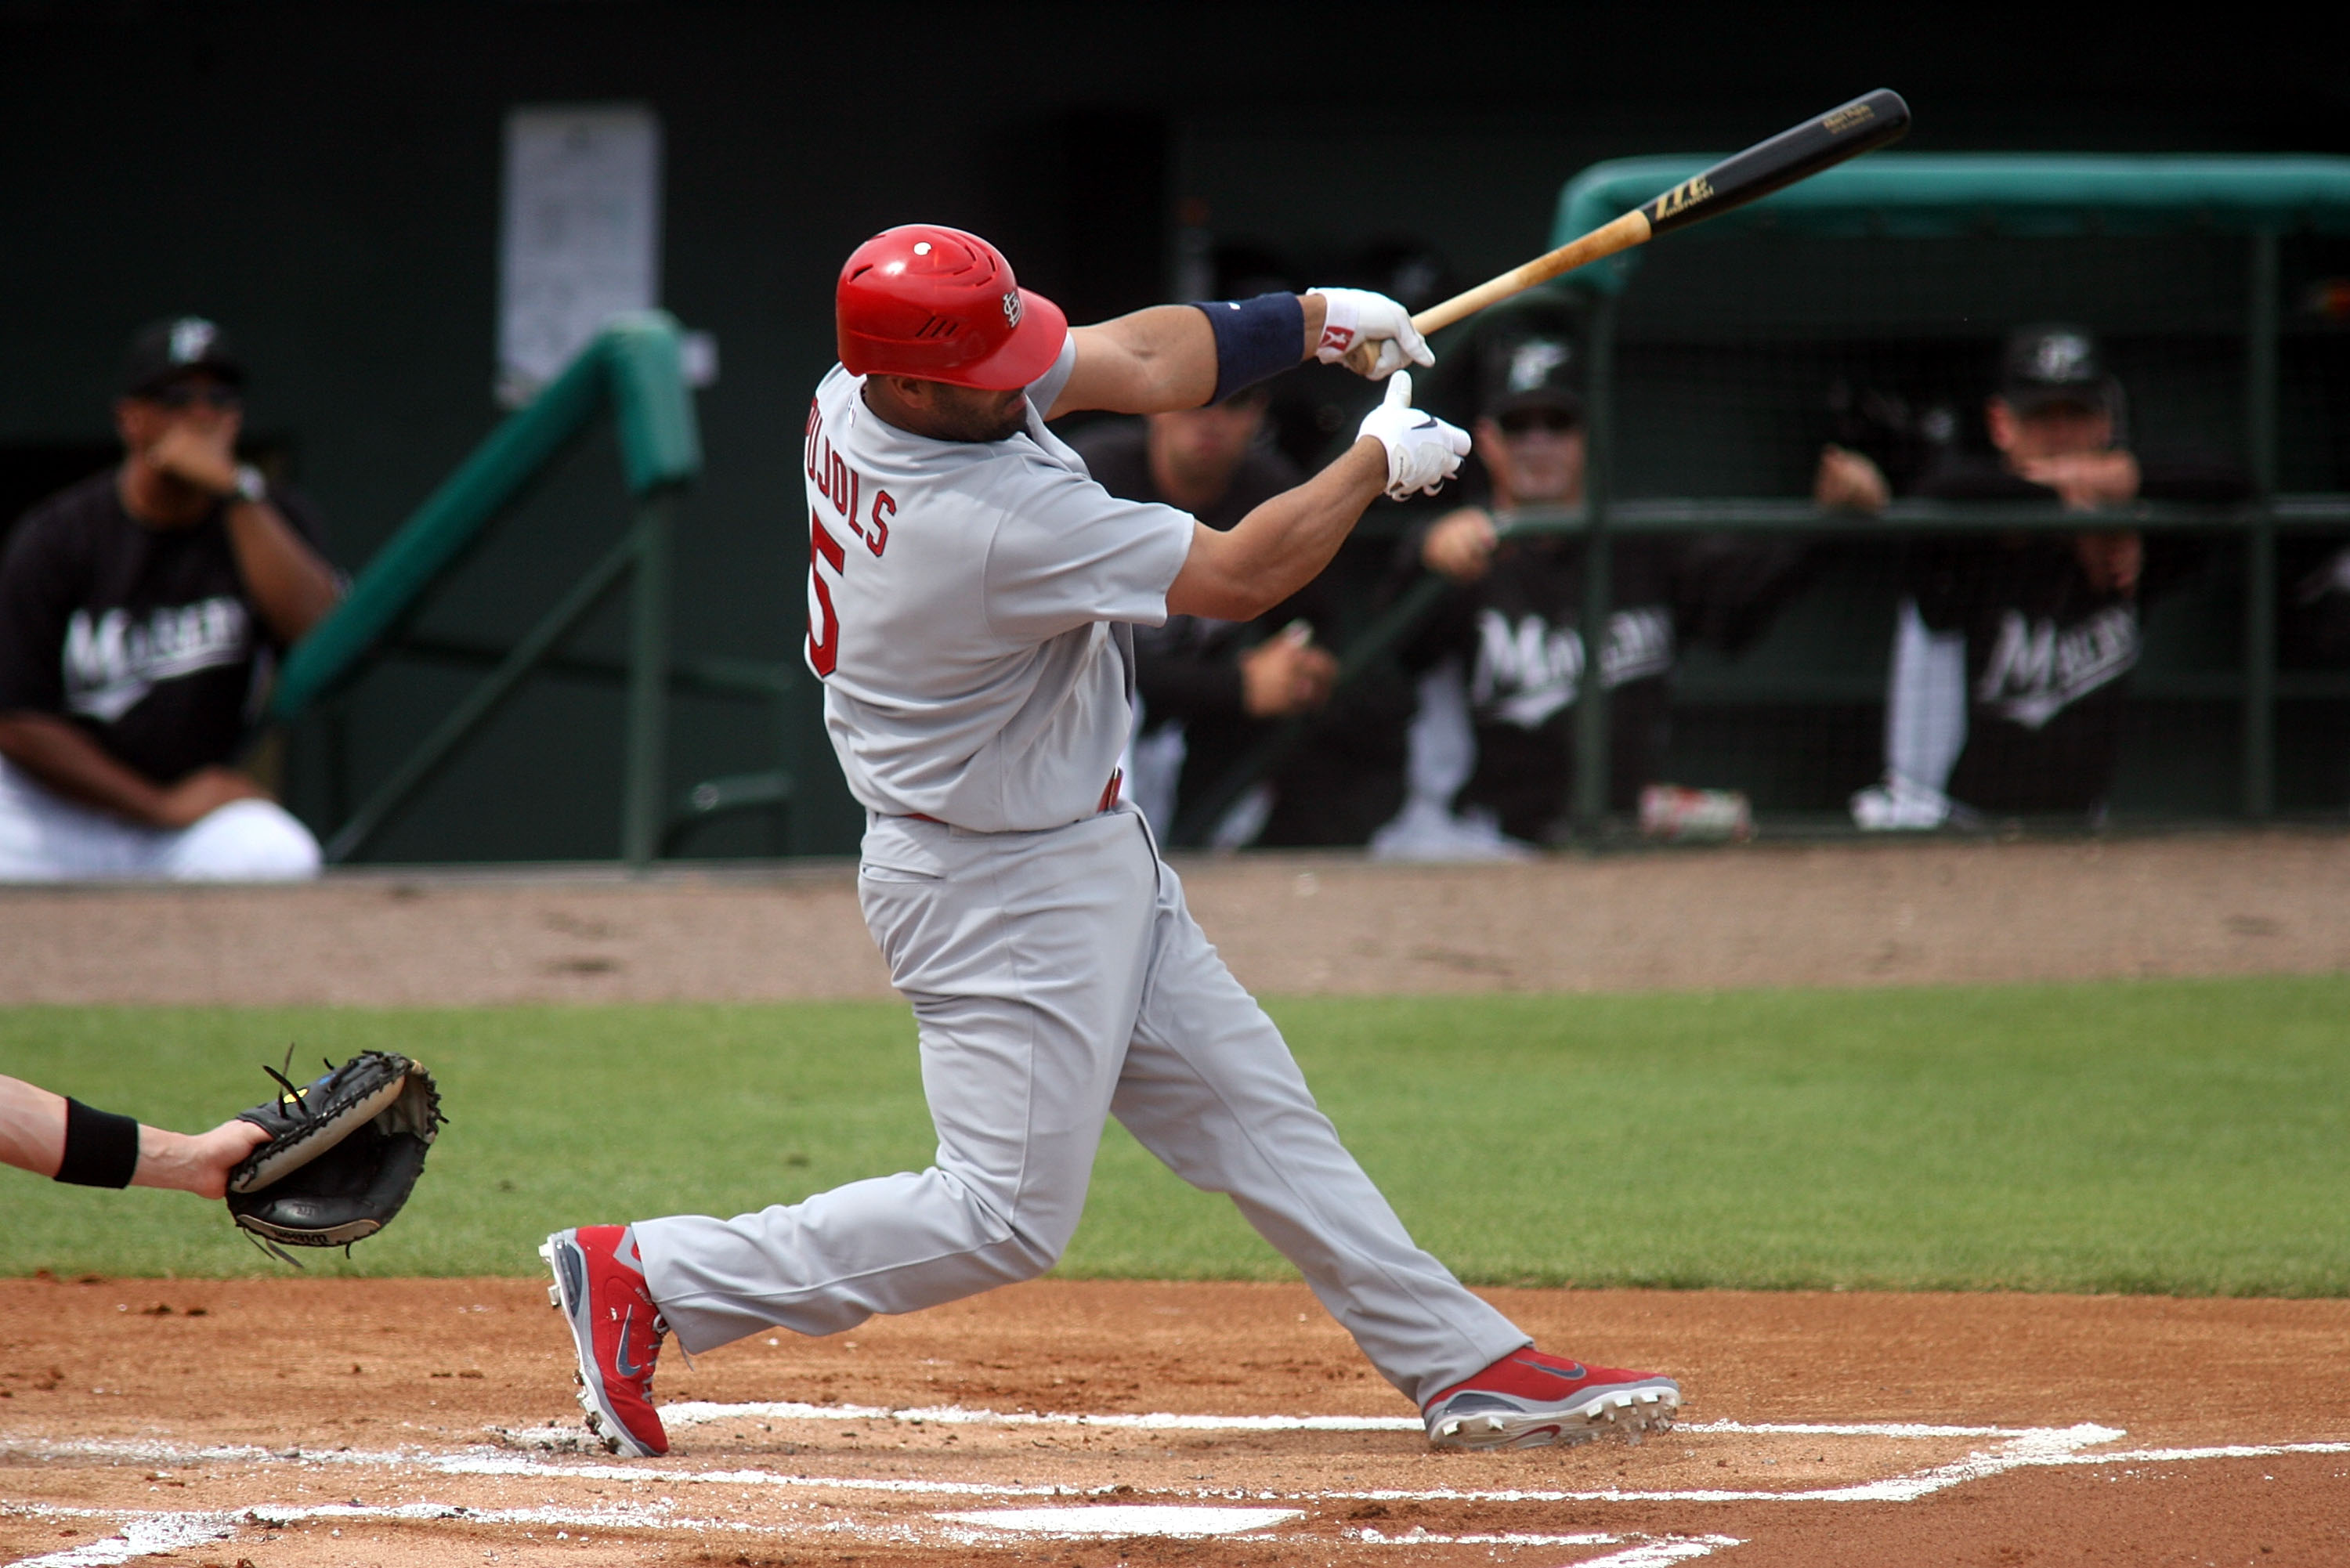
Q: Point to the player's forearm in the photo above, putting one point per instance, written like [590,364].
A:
[291,586]
[1161,359]
[32,1127]
[33,1137]
[67,762]
[1282,544]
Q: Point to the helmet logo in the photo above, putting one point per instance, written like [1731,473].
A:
[1012,308]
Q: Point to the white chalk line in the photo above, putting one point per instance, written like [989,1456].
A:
[153,1533]
[492,1463]
[700,1412]
[143,1536]
[1177,1523]
[148,1533]
[2023,1448]
[1657,1553]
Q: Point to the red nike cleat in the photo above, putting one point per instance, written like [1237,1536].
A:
[1527,1399]
[618,1332]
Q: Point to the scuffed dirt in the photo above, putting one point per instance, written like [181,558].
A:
[359,1397]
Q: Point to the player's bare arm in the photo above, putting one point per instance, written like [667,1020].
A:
[181,464]
[1282,545]
[1173,357]
[291,585]
[60,755]
[1156,361]
[39,1133]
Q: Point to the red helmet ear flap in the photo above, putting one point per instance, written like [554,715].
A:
[942,305]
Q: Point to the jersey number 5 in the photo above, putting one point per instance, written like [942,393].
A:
[824,622]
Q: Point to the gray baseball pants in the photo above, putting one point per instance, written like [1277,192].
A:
[1056,976]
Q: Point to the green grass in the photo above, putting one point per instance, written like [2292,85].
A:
[2176,1137]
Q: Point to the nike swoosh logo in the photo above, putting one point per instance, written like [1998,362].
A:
[1575,1371]
[620,1351]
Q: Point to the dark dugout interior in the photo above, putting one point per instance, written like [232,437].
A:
[325,181]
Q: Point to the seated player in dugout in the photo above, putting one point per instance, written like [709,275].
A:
[1502,659]
[2012,652]
[140,614]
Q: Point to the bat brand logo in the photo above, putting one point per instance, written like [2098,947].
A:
[1012,308]
[1848,116]
[1684,196]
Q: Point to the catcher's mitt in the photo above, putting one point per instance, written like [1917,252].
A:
[344,1151]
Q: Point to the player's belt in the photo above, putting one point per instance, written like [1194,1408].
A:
[1109,799]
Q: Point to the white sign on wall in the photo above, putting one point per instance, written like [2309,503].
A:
[581,238]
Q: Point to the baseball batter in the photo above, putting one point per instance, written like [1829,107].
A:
[971,594]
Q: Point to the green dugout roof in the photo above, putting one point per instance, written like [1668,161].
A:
[1918,195]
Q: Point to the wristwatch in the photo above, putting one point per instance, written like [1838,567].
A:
[250,484]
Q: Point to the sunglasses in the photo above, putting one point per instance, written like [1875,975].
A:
[187,397]
[1519,422]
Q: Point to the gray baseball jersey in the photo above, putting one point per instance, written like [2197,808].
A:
[966,610]
[964,602]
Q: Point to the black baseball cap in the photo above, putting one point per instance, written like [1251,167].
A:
[1535,368]
[2053,363]
[163,351]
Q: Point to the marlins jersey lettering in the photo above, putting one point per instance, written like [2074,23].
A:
[968,612]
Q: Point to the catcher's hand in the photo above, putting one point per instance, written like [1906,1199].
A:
[343,1153]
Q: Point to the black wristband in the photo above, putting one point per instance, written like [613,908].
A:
[101,1148]
[1257,339]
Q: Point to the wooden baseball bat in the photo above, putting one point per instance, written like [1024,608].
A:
[1867,122]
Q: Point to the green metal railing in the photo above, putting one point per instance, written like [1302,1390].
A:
[1913,195]
[633,367]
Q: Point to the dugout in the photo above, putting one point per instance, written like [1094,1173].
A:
[1866,305]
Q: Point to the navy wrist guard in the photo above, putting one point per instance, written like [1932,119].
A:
[1257,339]
[101,1148]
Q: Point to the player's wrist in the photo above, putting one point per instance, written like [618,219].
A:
[1257,339]
[101,1148]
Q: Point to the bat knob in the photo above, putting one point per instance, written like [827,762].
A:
[1362,357]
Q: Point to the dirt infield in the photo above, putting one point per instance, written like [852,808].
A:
[1845,914]
[296,1422]
[430,1421]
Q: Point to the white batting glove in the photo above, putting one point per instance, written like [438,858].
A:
[1423,451]
[1358,316]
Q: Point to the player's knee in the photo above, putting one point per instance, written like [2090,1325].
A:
[245,841]
[1028,1252]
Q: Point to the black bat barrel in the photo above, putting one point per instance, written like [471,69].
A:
[1867,122]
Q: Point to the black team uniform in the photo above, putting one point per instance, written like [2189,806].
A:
[144,638]
[2048,656]
[1517,632]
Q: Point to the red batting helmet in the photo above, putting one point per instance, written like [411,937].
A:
[929,301]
